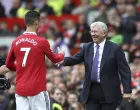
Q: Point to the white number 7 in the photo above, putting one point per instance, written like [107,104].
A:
[25,55]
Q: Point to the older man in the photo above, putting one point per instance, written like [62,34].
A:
[105,66]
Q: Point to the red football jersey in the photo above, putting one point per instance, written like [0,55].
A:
[27,57]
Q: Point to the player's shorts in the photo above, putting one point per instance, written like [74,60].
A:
[40,101]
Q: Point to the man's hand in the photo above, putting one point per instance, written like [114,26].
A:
[59,63]
[60,51]
[127,96]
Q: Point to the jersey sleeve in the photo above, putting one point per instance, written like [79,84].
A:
[11,59]
[55,58]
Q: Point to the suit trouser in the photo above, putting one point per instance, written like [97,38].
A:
[40,101]
[96,99]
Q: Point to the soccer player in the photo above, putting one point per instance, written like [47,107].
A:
[27,58]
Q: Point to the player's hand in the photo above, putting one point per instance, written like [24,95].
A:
[60,51]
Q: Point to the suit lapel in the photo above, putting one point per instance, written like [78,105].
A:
[90,57]
[105,54]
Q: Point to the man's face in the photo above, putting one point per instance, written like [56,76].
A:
[97,34]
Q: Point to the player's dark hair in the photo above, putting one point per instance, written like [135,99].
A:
[31,17]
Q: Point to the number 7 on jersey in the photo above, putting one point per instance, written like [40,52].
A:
[27,50]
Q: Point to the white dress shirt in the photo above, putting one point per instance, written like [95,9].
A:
[101,48]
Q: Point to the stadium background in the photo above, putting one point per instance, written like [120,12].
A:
[65,23]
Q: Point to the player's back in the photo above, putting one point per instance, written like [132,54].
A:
[28,52]
[30,61]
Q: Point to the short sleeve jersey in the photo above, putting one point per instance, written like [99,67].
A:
[27,57]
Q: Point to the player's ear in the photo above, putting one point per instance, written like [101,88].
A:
[36,22]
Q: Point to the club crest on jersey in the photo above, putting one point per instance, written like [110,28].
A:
[26,40]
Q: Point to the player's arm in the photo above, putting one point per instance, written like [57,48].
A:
[3,70]
[11,59]
[55,58]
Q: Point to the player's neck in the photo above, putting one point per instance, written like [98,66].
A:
[31,29]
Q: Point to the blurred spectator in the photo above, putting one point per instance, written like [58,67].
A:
[49,86]
[76,106]
[72,98]
[95,3]
[4,29]
[74,80]
[134,54]
[16,30]
[12,102]
[114,20]
[138,10]
[2,10]
[57,6]
[7,4]
[136,38]
[109,3]
[137,104]
[56,97]
[38,3]
[121,9]
[4,51]
[68,7]
[137,80]
[120,2]
[132,2]
[63,87]
[50,36]
[69,30]
[44,24]
[128,25]
[82,8]
[103,13]
[91,14]
[57,80]
[3,101]
[46,9]
[73,102]
[15,6]
[57,72]
[82,33]
[116,36]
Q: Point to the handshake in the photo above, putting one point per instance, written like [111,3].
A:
[60,52]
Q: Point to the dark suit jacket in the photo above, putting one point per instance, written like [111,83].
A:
[113,68]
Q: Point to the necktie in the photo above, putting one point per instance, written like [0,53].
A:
[94,73]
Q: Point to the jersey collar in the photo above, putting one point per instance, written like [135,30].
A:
[33,33]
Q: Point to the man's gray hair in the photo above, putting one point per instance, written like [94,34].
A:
[101,25]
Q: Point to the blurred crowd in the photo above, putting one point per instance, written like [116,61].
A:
[64,84]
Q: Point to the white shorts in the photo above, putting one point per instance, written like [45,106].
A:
[40,101]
